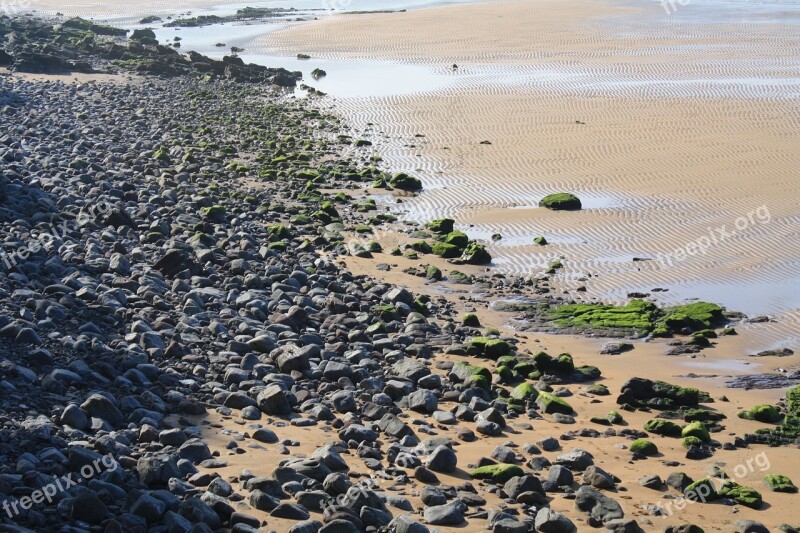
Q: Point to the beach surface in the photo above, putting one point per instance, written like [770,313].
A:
[677,130]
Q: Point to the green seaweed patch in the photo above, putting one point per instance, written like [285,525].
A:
[492,348]
[524,391]
[762,413]
[471,320]
[637,317]
[701,491]
[696,429]
[779,483]
[442,226]
[660,426]
[741,494]
[446,250]
[550,404]
[405,182]
[562,201]
[476,254]
[695,316]
[644,447]
[499,473]
[458,239]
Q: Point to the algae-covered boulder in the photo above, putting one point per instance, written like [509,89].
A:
[660,426]
[493,348]
[696,429]
[550,403]
[644,447]
[524,391]
[457,238]
[695,316]
[405,182]
[701,491]
[500,472]
[779,483]
[421,247]
[762,413]
[742,495]
[562,201]
[446,250]
[476,254]
[214,213]
[442,226]
[462,372]
[471,320]
[691,441]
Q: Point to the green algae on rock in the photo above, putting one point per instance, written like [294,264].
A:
[500,472]
[741,494]
[660,426]
[524,391]
[476,254]
[643,447]
[562,201]
[762,413]
[779,483]
[550,403]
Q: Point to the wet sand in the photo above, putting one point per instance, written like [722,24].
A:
[668,127]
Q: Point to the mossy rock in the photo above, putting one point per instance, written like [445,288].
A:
[476,254]
[691,441]
[446,250]
[550,403]
[464,370]
[442,226]
[507,360]
[421,246]
[458,277]
[637,317]
[701,491]
[478,381]
[762,413]
[524,368]
[563,364]
[598,389]
[793,401]
[499,473]
[405,182]
[643,447]
[779,483]
[524,391]
[215,212]
[695,316]
[493,348]
[660,426]
[457,238]
[696,429]
[373,246]
[504,374]
[541,241]
[614,417]
[433,273]
[742,495]
[589,372]
[562,201]
[471,320]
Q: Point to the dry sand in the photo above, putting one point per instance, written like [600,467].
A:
[688,122]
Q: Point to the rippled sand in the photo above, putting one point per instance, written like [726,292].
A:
[668,126]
